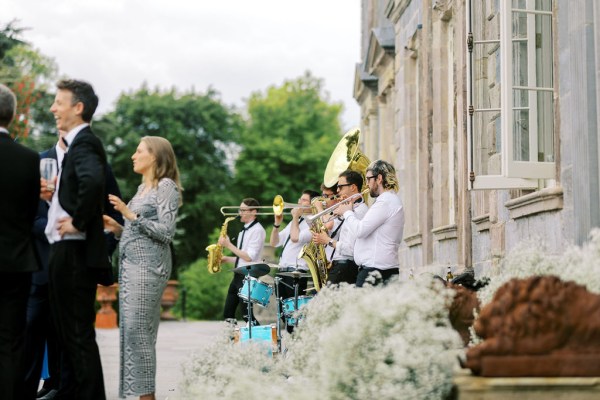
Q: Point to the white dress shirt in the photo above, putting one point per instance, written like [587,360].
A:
[254,241]
[56,212]
[379,233]
[289,256]
[344,247]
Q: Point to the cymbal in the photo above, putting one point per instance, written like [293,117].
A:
[295,274]
[254,270]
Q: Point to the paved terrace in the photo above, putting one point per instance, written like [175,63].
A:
[176,342]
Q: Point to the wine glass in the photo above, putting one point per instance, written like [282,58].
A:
[48,171]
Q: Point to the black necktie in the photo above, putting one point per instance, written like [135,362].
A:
[333,236]
[244,229]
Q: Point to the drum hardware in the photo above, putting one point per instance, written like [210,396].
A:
[260,292]
[295,274]
[247,281]
[255,270]
[293,305]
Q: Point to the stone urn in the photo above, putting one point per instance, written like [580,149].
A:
[168,300]
[106,317]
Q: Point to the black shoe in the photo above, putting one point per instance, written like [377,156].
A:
[48,395]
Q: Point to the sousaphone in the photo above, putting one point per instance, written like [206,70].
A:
[346,155]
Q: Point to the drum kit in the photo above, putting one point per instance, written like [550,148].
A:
[255,291]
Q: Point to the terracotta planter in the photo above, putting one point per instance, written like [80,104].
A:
[106,317]
[168,300]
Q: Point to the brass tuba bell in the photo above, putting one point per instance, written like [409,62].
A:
[346,155]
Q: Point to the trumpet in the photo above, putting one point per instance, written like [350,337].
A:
[278,208]
[310,218]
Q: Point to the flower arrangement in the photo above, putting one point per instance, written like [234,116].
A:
[375,342]
[577,264]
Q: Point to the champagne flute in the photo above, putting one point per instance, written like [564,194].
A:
[48,171]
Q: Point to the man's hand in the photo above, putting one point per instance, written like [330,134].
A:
[342,208]
[320,238]
[297,212]
[45,193]
[225,242]
[65,225]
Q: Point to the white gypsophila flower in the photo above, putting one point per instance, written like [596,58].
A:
[375,342]
[532,258]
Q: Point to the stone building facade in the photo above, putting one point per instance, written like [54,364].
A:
[489,111]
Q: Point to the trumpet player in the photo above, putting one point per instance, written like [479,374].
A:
[341,240]
[250,243]
[379,232]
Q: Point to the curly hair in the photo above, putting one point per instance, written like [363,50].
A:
[387,171]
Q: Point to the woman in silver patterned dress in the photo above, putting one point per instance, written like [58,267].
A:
[145,261]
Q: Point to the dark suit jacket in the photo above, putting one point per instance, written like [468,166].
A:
[41,220]
[82,193]
[20,185]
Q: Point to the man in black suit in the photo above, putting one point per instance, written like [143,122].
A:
[20,183]
[40,329]
[75,231]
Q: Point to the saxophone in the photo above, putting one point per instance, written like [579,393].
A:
[215,251]
[314,254]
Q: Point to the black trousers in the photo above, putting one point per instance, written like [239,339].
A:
[72,288]
[13,310]
[39,330]
[386,274]
[342,271]
[232,301]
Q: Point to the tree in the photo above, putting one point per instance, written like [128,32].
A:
[291,133]
[202,131]
[28,73]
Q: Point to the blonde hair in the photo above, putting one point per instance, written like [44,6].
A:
[165,165]
[387,171]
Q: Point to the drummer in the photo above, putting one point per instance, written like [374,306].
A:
[249,248]
[292,238]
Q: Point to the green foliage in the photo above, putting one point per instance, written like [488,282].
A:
[28,73]
[291,134]
[205,292]
[202,131]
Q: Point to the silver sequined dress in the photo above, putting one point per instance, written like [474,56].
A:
[145,267]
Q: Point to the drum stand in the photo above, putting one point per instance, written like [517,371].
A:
[277,280]
[295,286]
[247,278]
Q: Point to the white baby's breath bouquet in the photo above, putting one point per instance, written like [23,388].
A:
[369,343]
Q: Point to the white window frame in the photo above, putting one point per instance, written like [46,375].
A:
[514,174]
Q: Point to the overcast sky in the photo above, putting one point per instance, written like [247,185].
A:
[235,46]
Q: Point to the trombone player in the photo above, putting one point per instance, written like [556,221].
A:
[379,232]
[341,240]
[250,243]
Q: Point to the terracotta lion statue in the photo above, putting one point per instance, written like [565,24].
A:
[538,316]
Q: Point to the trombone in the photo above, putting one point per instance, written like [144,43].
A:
[311,218]
[278,208]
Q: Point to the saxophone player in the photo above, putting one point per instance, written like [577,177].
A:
[379,232]
[329,222]
[341,240]
[250,243]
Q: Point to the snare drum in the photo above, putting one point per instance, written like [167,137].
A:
[260,292]
[289,309]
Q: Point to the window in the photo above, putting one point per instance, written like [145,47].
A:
[510,93]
